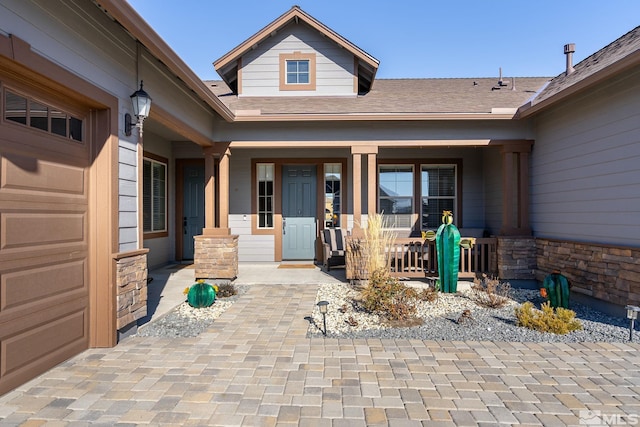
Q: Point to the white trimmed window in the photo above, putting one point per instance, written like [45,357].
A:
[264,175]
[332,203]
[154,195]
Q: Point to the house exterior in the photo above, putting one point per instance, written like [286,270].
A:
[73,261]
[297,136]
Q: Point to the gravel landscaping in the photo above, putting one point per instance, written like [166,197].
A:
[441,320]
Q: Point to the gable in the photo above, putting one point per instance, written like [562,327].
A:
[331,58]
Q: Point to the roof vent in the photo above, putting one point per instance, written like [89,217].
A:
[569,49]
[501,83]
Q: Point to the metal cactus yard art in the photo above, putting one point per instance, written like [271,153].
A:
[556,288]
[448,244]
[201,294]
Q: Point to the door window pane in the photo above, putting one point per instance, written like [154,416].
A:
[154,196]
[264,175]
[332,202]
[15,108]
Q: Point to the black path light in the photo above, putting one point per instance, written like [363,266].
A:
[632,315]
[323,306]
[141,105]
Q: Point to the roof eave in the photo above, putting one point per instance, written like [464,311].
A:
[629,61]
[370,117]
[122,12]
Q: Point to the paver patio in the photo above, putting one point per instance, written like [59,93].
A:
[256,367]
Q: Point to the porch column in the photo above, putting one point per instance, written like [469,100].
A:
[216,250]
[357,192]
[515,184]
[370,183]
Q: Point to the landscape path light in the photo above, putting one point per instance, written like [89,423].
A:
[632,315]
[323,306]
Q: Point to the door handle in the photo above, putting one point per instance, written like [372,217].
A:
[184,224]
[284,225]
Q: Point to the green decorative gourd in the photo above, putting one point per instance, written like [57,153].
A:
[557,290]
[201,295]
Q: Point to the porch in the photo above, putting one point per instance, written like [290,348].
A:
[412,258]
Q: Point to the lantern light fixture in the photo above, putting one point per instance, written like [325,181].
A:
[141,102]
[323,306]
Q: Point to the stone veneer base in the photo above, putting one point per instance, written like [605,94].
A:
[131,281]
[216,257]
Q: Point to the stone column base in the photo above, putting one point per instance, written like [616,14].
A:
[216,257]
[517,257]
[131,282]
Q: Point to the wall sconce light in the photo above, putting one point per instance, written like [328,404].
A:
[323,306]
[141,105]
[632,315]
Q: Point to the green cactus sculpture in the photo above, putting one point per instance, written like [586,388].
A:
[556,288]
[201,294]
[448,244]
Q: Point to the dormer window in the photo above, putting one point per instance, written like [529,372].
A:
[298,71]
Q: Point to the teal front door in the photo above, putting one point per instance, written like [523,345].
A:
[193,208]
[299,227]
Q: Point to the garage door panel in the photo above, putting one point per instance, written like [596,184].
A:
[25,230]
[29,173]
[23,349]
[19,289]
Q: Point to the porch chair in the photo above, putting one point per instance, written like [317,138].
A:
[334,247]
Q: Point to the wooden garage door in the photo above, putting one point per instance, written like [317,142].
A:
[43,236]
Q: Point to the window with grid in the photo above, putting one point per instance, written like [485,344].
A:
[395,194]
[264,175]
[37,115]
[298,71]
[332,181]
[154,196]
[438,191]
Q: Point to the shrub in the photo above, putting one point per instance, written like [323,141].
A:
[558,321]
[428,294]
[376,241]
[491,293]
[226,290]
[388,297]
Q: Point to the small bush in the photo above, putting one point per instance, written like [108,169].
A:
[558,321]
[491,293]
[428,294]
[226,290]
[388,297]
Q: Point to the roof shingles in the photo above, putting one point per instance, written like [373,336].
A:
[396,96]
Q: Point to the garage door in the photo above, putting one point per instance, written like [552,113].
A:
[44,314]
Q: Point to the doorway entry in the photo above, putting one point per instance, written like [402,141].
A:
[189,206]
[299,222]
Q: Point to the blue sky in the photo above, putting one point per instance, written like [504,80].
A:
[410,38]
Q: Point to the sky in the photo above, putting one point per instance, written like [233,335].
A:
[410,38]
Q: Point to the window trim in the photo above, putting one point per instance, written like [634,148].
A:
[298,56]
[146,156]
[417,190]
[273,196]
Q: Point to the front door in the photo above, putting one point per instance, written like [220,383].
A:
[193,208]
[298,212]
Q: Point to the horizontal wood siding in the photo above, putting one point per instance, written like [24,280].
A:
[585,182]
[261,67]
[251,248]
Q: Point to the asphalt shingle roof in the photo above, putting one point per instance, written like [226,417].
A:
[397,96]
[621,48]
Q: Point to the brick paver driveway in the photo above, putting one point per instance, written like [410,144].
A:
[256,367]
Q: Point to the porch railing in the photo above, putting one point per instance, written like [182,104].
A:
[410,258]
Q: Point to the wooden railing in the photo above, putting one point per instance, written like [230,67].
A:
[417,258]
